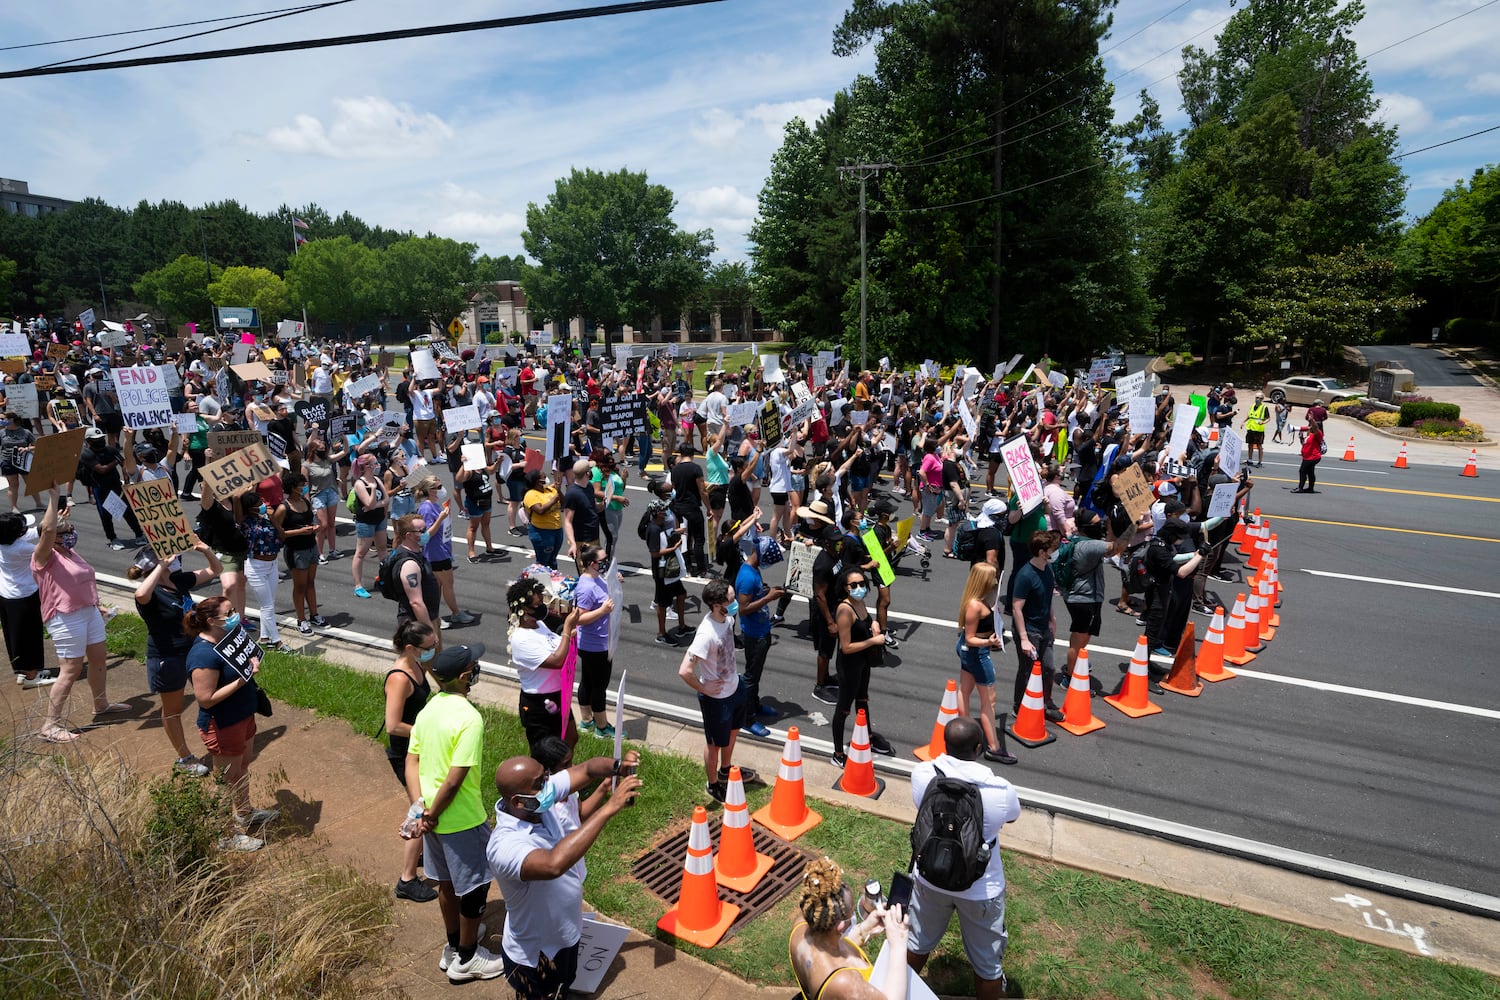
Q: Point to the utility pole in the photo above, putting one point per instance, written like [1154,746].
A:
[864,171]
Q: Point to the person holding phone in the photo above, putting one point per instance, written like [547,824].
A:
[827,948]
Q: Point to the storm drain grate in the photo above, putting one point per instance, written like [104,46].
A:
[660,870]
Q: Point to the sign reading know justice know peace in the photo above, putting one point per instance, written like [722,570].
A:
[166,526]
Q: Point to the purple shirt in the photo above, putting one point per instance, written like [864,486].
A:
[588,593]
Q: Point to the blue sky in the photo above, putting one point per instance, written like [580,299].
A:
[456,134]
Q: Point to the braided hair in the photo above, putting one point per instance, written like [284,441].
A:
[822,901]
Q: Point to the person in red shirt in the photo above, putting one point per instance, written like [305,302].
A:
[1312,454]
[528,389]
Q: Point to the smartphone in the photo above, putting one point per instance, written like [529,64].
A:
[900,892]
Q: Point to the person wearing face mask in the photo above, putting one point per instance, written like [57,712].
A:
[444,751]
[296,523]
[708,667]
[859,636]
[416,584]
[512,459]
[536,855]
[538,654]
[70,610]
[1030,599]
[591,595]
[16,442]
[406,693]
[226,713]
[435,507]
[264,545]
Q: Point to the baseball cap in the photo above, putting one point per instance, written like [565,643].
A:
[455,661]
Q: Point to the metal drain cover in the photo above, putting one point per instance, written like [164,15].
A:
[660,870]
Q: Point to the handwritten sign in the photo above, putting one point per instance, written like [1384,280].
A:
[57,351]
[1222,505]
[1184,417]
[144,398]
[1099,371]
[14,345]
[45,383]
[799,570]
[461,419]
[20,399]
[1133,492]
[598,944]
[240,471]
[1231,451]
[228,442]
[1142,414]
[187,423]
[1023,475]
[1130,386]
[360,386]
[54,461]
[165,525]
[113,338]
[12,366]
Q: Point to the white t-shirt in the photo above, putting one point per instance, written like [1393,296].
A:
[528,648]
[1001,806]
[713,647]
[15,567]
[714,407]
[421,404]
[544,915]
[781,471]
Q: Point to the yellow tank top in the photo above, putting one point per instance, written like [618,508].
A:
[818,993]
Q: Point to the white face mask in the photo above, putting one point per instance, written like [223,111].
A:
[442,494]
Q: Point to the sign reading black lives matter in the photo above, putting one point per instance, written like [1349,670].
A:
[237,649]
[623,416]
[313,413]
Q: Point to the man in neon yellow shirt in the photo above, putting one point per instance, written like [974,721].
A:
[1255,431]
[442,782]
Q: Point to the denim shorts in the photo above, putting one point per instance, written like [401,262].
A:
[363,530]
[975,661]
[859,483]
[325,498]
[401,505]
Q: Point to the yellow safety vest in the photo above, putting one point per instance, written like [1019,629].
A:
[1255,420]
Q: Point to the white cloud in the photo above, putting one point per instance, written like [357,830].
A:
[364,128]
[718,129]
[724,209]
[1408,113]
[1484,83]
[773,117]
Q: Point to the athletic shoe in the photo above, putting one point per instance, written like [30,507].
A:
[756,729]
[39,681]
[605,732]
[891,642]
[1224,576]
[1140,620]
[1199,608]
[260,817]
[116,545]
[747,774]
[185,495]
[663,640]
[241,842]
[999,756]
[716,790]
[322,560]
[1055,715]
[444,624]
[416,891]
[587,725]
[1162,651]
[825,693]
[191,766]
[522,532]
[483,965]
[840,759]
[450,953]
[361,592]
[671,615]
[319,621]
[879,744]
[464,618]
[777,619]
[305,627]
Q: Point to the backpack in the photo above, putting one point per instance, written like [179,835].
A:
[948,847]
[1063,571]
[966,541]
[640,527]
[353,501]
[388,576]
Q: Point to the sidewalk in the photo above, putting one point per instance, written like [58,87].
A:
[333,785]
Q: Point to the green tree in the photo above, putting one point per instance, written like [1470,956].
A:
[1451,256]
[426,276]
[8,269]
[255,287]
[607,249]
[180,289]
[727,289]
[338,280]
[488,270]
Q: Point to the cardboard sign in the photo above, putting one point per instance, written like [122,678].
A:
[1023,475]
[1134,492]
[46,383]
[21,400]
[360,386]
[226,443]
[12,366]
[623,416]
[114,338]
[461,419]
[770,424]
[799,569]
[239,472]
[1222,505]
[1142,414]
[14,345]
[1231,451]
[165,525]
[239,650]
[253,371]
[877,553]
[384,359]
[144,398]
[57,351]
[54,461]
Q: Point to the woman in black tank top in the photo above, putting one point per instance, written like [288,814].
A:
[406,692]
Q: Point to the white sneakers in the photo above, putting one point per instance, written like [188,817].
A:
[450,953]
[484,965]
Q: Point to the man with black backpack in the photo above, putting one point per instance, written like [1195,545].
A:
[961,806]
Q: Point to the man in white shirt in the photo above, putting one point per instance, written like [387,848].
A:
[981,907]
[538,654]
[715,408]
[536,853]
[708,667]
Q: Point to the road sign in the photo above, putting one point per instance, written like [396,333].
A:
[456,327]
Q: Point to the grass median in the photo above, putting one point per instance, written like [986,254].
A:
[1073,934]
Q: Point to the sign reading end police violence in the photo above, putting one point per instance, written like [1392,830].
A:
[145,400]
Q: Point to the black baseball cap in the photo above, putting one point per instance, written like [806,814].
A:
[455,661]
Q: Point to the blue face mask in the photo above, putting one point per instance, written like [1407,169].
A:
[232,622]
[733,608]
[426,537]
[858,593]
[542,800]
[427,654]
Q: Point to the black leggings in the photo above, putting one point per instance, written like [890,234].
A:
[854,692]
[1307,474]
[593,679]
[22,620]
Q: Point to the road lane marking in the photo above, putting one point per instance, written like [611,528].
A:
[1381,527]
[1294,465]
[1401,699]
[1390,489]
[1403,583]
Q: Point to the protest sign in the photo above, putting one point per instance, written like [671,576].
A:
[162,520]
[384,359]
[599,942]
[473,456]
[799,569]
[1222,505]
[270,354]
[187,423]
[45,383]
[228,442]
[1130,386]
[770,424]
[54,461]
[1099,371]
[1142,414]
[877,553]
[12,366]
[14,345]
[20,399]
[461,419]
[800,392]
[288,329]
[423,366]
[113,505]
[771,368]
[312,412]
[559,426]
[1133,492]
[622,417]
[86,319]
[240,471]
[114,338]
[253,371]
[360,386]
[971,425]
[1182,429]
[144,399]
[276,445]
[1231,451]
[1058,379]
[239,354]
[1023,475]
[169,376]
[239,650]
[57,351]
[340,426]
[743,414]
[803,411]
[1201,403]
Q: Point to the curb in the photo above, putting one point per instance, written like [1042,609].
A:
[1489,443]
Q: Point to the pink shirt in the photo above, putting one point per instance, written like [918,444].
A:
[64,583]
[932,470]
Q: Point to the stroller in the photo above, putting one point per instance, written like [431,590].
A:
[882,507]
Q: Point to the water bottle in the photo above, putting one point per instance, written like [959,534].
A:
[869,899]
[413,820]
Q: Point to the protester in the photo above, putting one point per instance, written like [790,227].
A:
[538,655]
[296,522]
[859,640]
[1035,624]
[406,694]
[708,668]
[479,495]
[263,543]
[755,629]
[665,545]
[20,607]
[369,507]
[543,505]
[828,942]
[1313,447]
[435,508]
[591,596]
[978,635]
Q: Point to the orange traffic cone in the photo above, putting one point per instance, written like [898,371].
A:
[1401,458]
[1252,622]
[1213,434]
[1184,676]
[1210,665]
[1078,707]
[859,767]
[1269,619]
[699,916]
[947,712]
[1234,635]
[1257,555]
[738,865]
[1471,470]
[1248,535]
[1030,726]
[787,815]
[1131,698]
[1276,585]
[1349,451]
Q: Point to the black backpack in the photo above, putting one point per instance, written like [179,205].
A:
[1064,573]
[640,528]
[948,847]
[388,576]
[966,541]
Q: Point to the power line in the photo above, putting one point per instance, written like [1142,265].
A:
[142,31]
[549,17]
[1445,142]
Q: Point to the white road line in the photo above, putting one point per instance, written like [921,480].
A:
[1402,699]
[1403,583]
[1326,471]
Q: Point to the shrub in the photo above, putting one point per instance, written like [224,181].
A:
[494,337]
[1411,413]
[1382,418]
[1409,397]
[1449,430]
[1342,405]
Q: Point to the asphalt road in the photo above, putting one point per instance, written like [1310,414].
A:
[1364,733]
[1430,367]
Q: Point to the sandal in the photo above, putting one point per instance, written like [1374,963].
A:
[65,736]
[114,709]
[1124,611]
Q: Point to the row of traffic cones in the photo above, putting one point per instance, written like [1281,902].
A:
[1471,467]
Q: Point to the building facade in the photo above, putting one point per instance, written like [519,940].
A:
[17,199]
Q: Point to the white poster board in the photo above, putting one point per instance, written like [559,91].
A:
[770,367]
[1142,414]
[20,399]
[360,386]
[1023,475]
[459,419]
[14,345]
[423,366]
[169,376]
[144,398]
[799,569]
[187,423]
[473,455]
[916,989]
[1222,505]
[1130,386]
[559,427]
[1231,451]
[598,945]
[1183,415]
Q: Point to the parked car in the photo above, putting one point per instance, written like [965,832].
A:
[1304,390]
